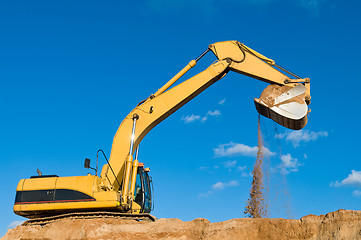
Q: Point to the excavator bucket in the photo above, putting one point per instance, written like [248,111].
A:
[285,105]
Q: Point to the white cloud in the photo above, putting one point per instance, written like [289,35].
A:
[308,4]
[246,174]
[217,187]
[222,101]
[191,118]
[354,179]
[210,6]
[15,224]
[296,137]
[229,164]
[215,113]
[311,4]
[210,169]
[289,164]
[205,195]
[164,5]
[241,168]
[356,193]
[236,149]
[223,185]
[203,168]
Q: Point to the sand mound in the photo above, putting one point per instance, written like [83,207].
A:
[342,224]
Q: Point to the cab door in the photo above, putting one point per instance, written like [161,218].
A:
[147,193]
[143,191]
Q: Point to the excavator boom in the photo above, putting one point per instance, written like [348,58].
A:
[232,56]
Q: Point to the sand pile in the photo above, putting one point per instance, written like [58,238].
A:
[342,224]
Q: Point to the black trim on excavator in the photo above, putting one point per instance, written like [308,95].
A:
[51,196]
[44,176]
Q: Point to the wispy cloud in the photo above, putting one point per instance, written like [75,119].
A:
[15,224]
[241,168]
[289,164]
[215,113]
[209,169]
[193,118]
[203,168]
[356,193]
[296,137]
[205,195]
[223,185]
[239,149]
[222,101]
[164,5]
[353,179]
[210,6]
[311,4]
[244,172]
[230,164]
[218,186]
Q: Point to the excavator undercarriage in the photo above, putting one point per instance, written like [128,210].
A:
[90,215]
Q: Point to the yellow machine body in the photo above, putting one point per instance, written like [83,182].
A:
[56,195]
[41,196]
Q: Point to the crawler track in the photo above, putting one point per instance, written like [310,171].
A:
[90,215]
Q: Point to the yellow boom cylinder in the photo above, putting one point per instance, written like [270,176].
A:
[176,77]
[134,178]
[128,167]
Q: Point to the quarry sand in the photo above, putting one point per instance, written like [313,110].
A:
[341,224]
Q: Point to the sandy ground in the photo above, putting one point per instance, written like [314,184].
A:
[342,224]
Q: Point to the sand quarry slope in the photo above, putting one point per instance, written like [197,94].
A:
[342,224]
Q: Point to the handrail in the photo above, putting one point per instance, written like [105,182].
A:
[100,150]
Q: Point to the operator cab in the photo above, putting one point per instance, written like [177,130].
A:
[143,190]
[143,185]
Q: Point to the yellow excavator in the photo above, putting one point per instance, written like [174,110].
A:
[124,188]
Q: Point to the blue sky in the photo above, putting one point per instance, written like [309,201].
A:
[70,71]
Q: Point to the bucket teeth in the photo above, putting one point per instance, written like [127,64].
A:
[285,105]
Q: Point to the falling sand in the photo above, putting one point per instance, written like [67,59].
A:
[256,204]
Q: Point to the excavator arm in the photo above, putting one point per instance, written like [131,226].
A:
[284,102]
